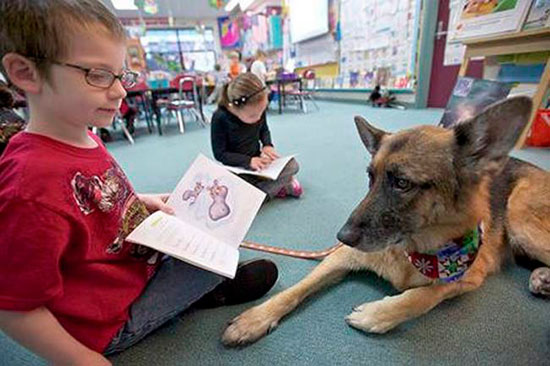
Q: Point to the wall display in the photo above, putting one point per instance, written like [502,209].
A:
[262,31]
[454,49]
[230,32]
[378,35]
[480,18]
[135,55]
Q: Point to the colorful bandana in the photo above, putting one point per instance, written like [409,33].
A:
[451,261]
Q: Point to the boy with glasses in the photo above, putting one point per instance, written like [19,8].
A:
[71,288]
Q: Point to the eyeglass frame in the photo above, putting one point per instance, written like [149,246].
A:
[242,100]
[87,71]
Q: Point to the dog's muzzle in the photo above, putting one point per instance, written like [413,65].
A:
[349,235]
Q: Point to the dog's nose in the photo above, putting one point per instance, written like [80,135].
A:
[349,235]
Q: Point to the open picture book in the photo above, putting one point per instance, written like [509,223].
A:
[271,172]
[213,211]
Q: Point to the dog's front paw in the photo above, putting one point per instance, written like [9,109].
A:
[373,317]
[249,327]
[539,282]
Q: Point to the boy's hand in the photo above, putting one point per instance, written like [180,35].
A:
[155,202]
[270,152]
[259,163]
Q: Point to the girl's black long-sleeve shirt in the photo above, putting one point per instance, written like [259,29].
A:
[234,142]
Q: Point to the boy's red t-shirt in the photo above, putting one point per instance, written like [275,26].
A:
[64,214]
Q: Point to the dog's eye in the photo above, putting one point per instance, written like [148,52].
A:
[402,184]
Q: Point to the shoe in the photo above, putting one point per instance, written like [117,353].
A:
[253,280]
[295,188]
[282,193]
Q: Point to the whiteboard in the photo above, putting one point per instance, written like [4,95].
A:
[308,19]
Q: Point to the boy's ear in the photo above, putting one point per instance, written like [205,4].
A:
[22,73]
[370,135]
[484,141]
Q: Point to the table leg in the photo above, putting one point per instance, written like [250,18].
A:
[280,98]
[156,112]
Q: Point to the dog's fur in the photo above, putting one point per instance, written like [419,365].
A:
[429,185]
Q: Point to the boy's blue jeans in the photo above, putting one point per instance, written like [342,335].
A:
[175,287]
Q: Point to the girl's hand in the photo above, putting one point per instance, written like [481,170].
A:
[259,163]
[270,152]
[155,202]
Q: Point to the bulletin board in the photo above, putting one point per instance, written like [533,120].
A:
[379,43]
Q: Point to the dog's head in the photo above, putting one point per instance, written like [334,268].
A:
[428,184]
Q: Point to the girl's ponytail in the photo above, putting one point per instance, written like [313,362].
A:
[223,101]
[245,85]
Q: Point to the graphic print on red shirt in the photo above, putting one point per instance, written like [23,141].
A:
[64,213]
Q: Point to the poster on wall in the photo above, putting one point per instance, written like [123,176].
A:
[480,18]
[230,32]
[454,49]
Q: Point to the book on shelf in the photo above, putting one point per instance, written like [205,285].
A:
[213,211]
[538,16]
[477,19]
[470,96]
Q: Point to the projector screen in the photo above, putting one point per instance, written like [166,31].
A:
[308,18]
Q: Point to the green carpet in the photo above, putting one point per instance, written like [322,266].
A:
[500,324]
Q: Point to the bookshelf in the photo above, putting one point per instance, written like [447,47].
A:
[534,40]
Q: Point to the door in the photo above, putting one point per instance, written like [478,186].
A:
[443,78]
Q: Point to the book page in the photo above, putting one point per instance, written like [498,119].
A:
[174,237]
[272,171]
[215,201]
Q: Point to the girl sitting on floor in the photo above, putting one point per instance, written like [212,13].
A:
[241,137]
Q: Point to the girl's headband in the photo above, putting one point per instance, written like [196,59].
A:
[242,100]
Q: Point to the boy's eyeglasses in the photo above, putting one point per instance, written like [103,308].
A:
[242,100]
[102,78]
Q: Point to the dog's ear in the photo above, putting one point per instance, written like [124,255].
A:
[370,135]
[484,141]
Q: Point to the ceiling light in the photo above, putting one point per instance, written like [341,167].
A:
[124,4]
[231,4]
[244,4]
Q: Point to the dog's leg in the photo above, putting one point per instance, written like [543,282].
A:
[383,315]
[529,226]
[259,320]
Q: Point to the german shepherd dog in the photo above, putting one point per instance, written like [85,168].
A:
[429,185]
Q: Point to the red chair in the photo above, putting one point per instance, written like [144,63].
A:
[305,95]
[187,100]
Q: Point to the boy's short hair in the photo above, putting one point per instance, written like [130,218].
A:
[41,29]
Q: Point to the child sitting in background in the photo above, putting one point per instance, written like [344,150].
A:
[235,66]
[375,96]
[239,125]
[220,78]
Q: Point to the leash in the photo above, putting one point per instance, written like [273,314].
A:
[303,254]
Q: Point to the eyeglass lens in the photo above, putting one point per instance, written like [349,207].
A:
[104,78]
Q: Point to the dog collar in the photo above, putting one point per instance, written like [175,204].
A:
[449,263]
